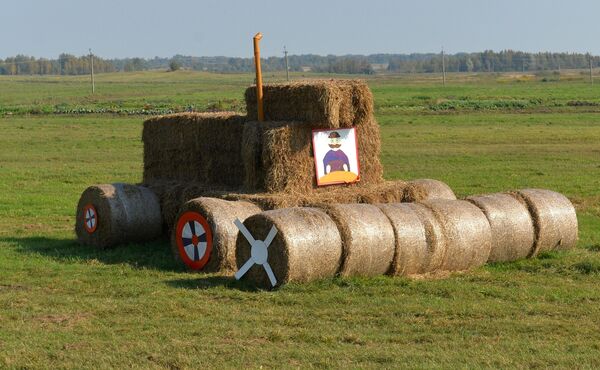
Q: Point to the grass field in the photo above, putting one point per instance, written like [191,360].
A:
[67,306]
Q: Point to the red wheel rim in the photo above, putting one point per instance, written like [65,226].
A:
[90,218]
[194,240]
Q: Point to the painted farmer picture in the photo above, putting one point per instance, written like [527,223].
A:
[336,158]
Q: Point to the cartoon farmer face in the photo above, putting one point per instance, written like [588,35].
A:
[334,140]
[335,159]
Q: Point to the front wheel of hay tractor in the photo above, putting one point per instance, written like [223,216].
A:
[204,236]
[193,240]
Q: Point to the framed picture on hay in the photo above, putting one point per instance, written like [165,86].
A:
[336,156]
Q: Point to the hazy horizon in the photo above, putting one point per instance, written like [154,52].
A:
[224,28]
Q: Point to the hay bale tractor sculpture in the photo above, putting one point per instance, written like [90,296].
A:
[294,191]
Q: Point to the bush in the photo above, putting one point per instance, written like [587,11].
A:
[174,65]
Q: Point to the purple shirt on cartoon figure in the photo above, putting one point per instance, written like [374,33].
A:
[336,160]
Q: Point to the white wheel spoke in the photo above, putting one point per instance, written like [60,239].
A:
[270,273]
[244,231]
[271,236]
[242,271]
[187,232]
[198,228]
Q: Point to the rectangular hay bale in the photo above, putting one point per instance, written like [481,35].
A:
[194,147]
[331,103]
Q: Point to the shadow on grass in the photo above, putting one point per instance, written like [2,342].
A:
[155,255]
[210,281]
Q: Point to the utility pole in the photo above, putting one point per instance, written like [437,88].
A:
[92,72]
[443,68]
[559,69]
[591,70]
[287,69]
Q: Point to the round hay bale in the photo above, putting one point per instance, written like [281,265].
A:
[433,258]
[211,220]
[368,243]
[467,233]
[427,189]
[108,215]
[411,239]
[307,246]
[554,219]
[511,225]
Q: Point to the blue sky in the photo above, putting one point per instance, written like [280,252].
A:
[150,28]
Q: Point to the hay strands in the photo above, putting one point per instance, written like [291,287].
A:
[258,254]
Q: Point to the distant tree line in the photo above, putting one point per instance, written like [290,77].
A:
[487,61]
[490,61]
[66,64]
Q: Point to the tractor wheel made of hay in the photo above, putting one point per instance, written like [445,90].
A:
[194,240]
[90,222]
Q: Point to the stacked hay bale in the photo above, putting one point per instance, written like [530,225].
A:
[122,213]
[194,147]
[278,154]
[332,103]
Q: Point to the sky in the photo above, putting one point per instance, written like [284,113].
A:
[148,28]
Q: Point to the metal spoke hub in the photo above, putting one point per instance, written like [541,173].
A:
[259,252]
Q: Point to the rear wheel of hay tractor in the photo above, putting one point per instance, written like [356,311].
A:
[193,237]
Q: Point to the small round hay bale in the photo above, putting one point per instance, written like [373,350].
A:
[554,219]
[467,233]
[307,246]
[427,189]
[211,220]
[411,239]
[512,228]
[434,236]
[108,215]
[368,244]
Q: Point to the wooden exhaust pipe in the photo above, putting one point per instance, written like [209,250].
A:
[259,89]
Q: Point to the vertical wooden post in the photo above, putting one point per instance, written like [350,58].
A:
[443,68]
[259,89]
[591,71]
[92,72]
[287,68]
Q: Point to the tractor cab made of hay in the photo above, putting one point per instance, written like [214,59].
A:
[238,191]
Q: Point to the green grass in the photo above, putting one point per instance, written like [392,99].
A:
[67,306]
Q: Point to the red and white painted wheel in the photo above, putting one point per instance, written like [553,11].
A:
[90,218]
[194,240]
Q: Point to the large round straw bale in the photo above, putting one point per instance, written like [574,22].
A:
[368,242]
[511,225]
[307,246]
[554,219]
[220,215]
[411,239]
[434,235]
[122,213]
[467,233]
[426,189]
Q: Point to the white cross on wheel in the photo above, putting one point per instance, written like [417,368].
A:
[259,252]
[90,218]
